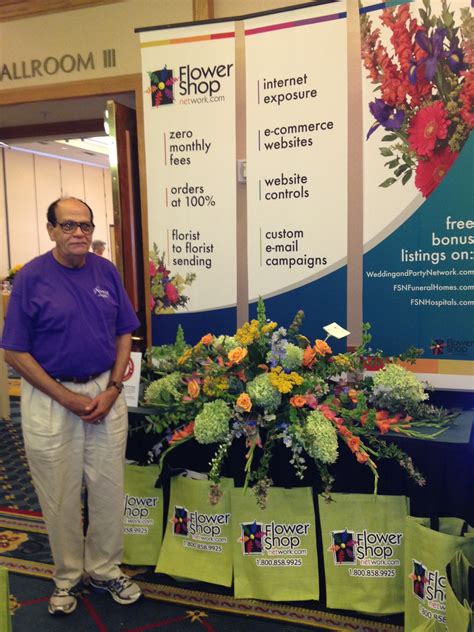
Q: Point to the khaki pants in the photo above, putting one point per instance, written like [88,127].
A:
[63,451]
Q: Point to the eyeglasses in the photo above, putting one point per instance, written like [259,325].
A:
[71,227]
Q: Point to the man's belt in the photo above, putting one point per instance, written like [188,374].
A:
[78,380]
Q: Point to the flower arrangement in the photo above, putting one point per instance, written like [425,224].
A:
[268,385]
[166,290]
[12,272]
[426,90]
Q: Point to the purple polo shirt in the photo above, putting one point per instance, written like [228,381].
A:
[68,318]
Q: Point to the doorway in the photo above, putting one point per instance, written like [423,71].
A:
[29,122]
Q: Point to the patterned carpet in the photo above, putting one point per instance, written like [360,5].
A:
[16,488]
[24,550]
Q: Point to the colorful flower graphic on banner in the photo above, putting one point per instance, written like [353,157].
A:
[166,290]
[425,85]
[343,547]
[161,87]
[437,346]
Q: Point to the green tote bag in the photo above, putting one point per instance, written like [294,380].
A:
[274,548]
[197,539]
[429,547]
[459,591]
[363,545]
[5,616]
[142,516]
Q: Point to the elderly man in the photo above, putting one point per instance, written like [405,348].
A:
[68,334]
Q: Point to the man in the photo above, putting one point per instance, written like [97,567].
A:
[98,247]
[68,334]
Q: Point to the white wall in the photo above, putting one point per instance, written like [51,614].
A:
[31,183]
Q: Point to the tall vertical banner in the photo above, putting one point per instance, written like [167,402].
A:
[418,187]
[189,118]
[296,73]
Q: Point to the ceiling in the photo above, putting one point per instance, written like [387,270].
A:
[31,125]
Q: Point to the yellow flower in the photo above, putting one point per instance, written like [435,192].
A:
[282,381]
[237,355]
[342,361]
[185,357]
[244,402]
[212,385]
[269,327]
[247,333]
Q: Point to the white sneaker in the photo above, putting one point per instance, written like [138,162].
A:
[122,589]
[63,601]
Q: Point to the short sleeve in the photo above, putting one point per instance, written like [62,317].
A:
[18,330]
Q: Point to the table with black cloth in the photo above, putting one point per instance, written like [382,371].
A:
[446,462]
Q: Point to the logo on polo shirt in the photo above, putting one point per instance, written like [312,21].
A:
[101,293]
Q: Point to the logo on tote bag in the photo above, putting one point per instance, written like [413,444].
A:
[419,579]
[429,587]
[366,548]
[343,543]
[251,537]
[274,538]
[180,521]
[205,529]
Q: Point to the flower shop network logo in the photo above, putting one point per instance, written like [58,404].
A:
[199,525]
[440,346]
[180,521]
[197,84]
[428,586]
[161,87]
[437,346]
[368,548]
[418,579]
[275,538]
[343,545]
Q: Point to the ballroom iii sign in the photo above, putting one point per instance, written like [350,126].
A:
[68,63]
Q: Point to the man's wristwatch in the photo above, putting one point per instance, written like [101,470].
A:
[117,385]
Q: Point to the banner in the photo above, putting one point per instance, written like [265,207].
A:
[418,191]
[297,163]
[189,119]
[131,379]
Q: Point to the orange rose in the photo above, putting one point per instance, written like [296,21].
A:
[237,355]
[298,401]
[207,339]
[193,389]
[244,402]
[309,357]
[321,347]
